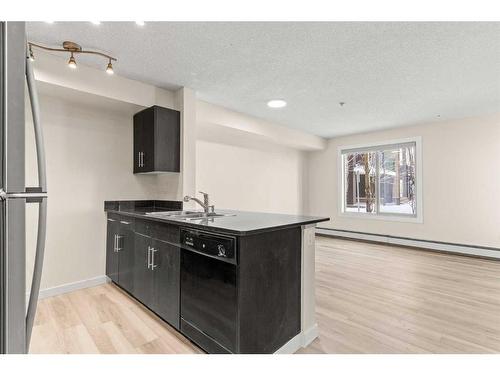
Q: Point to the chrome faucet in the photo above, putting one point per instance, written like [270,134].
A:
[205,204]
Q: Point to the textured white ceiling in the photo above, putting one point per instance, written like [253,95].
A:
[388,74]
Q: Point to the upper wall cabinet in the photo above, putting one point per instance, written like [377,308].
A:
[157,133]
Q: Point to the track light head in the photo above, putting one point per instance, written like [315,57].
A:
[109,68]
[72,62]
[32,56]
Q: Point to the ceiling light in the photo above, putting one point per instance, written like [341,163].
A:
[109,68]
[49,21]
[95,22]
[276,103]
[73,49]
[72,62]
[140,23]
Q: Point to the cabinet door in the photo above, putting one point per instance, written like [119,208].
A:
[126,255]
[167,139]
[142,275]
[144,141]
[166,270]
[111,248]
[138,142]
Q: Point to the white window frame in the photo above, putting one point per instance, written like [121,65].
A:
[418,218]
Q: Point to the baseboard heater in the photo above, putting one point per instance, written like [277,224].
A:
[480,251]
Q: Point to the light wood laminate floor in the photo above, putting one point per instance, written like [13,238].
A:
[370,299]
[102,319]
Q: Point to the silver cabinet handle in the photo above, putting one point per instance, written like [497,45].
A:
[153,265]
[141,159]
[111,219]
[115,244]
[125,222]
[149,257]
[118,243]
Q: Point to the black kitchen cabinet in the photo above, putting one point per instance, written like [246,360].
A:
[157,140]
[166,281]
[120,251]
[112,258]
[270,290]
[157,270]
[143,278]
[126,254]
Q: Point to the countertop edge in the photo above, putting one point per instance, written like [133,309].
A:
[215,229]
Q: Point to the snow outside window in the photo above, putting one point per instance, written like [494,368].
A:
[380,180]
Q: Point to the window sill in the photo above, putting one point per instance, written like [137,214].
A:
[387,217]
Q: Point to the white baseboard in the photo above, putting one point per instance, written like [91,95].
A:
[66,288]
[310,335]
[452,248]
[294,344]
[302,340]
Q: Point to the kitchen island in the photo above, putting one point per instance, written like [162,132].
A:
[235,282]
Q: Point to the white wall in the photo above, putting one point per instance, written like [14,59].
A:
[267,178]
[246,163]
[89,160]
[461,182]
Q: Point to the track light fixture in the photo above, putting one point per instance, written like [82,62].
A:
[73,48]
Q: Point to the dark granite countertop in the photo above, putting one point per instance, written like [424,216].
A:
[239,223]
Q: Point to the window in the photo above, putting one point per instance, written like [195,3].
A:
[382,180]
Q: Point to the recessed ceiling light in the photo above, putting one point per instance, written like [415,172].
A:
[276,103]
[140,23]
[49,21]
[95,22]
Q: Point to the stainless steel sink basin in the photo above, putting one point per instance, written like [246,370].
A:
[186,215]
[172,213]
[210,215]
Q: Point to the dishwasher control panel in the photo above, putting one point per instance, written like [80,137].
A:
[211,244]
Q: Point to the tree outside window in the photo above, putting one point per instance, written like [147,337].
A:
[380,180]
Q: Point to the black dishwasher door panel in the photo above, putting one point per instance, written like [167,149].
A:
[209,298]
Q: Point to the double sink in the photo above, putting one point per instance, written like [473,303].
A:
[186,215]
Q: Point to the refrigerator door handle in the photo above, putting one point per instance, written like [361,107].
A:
[42,210]
[27,195]
[35,110]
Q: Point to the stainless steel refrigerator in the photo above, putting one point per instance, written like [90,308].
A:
[16,74]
